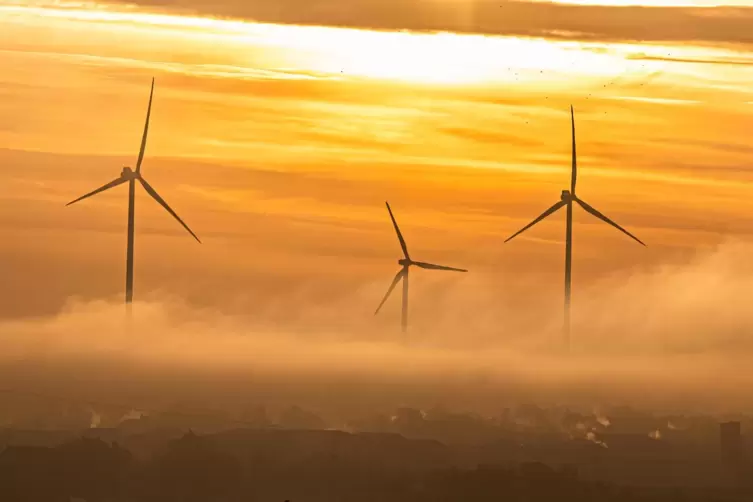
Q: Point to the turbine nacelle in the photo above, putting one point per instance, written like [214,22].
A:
[566,196]
[405,262]
[128,174]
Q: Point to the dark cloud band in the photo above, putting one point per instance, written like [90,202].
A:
[719,25]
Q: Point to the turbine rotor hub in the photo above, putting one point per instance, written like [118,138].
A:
[566,196]
[404,262]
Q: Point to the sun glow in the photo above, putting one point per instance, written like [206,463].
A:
[441,58]
[223,48]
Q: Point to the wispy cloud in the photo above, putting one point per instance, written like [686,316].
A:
[198,69]
[656,100]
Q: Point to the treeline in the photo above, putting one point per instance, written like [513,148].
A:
[246,466]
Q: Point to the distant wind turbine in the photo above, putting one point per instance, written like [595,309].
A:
[567,199]
[129,176]
[406,263]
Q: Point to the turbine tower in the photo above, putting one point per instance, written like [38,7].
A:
[566,200]
[131,177]
[406,263]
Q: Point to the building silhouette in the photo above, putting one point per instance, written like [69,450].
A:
[732,453]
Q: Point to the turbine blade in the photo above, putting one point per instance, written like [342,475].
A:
[603,218]
[431,266]
[162,202]
[396,280]
[112,184]
[399,233]
[546,214]
[146,131]
[574,179]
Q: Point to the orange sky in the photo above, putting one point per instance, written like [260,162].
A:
[279,144]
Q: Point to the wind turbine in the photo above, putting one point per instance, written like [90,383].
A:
[566,200]
[406,263]
[131,177]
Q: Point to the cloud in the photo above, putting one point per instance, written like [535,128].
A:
[498,17]
[739,61]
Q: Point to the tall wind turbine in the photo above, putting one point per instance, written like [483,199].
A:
[131,177]
[406,263]
[566,200]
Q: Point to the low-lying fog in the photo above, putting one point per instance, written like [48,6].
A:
[673,339]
